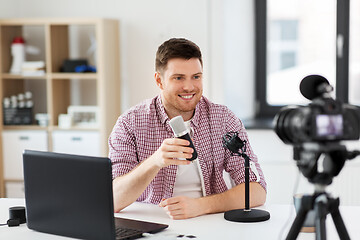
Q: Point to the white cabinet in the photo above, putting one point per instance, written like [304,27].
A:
[14,143]
[14,190]
[77,142]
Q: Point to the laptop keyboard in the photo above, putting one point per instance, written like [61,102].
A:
[127,233]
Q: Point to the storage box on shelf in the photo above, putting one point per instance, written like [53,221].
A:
[53,92]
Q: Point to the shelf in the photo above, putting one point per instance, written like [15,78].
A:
[60,39]
[52,75]
[74,129]
[52,21]
[21,77]
[24,127]
[14,180]
[73,75]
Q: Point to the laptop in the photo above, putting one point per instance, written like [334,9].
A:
[71,195]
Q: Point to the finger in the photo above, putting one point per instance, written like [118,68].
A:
[162,202]
[175,212]
[176,155]
[168,148]
[173,200]
[176,216]
[173,207]
[177,141]
[176,148]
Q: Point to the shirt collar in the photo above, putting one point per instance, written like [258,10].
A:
[196,118]
[161,110]
[164,117]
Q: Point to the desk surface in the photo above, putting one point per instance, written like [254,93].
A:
[212,226]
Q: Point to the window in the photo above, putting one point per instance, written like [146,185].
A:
[354,57]
[282,45]
[300,38]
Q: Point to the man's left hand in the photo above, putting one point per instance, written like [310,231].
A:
[182,207]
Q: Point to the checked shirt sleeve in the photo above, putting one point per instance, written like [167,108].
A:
[122,148]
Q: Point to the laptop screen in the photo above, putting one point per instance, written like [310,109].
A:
[69,195]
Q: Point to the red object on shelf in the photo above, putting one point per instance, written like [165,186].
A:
[18,40]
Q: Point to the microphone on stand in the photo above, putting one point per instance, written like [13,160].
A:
[314,86]
[233,143]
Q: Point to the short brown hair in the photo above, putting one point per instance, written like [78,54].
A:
[176,48]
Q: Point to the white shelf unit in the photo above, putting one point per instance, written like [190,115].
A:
[60,39]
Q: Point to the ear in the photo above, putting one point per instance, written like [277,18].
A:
[157,77]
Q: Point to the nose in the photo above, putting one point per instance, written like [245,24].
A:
[188,85]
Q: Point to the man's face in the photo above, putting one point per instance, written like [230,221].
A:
[181,85]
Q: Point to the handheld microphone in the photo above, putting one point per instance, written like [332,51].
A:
[180,131]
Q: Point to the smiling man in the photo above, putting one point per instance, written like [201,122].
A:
[146,158]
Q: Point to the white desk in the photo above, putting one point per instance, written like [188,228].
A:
[207,227]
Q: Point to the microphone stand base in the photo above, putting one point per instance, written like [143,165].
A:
[251,215]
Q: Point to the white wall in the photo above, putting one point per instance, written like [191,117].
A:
[239,62]
[222,29]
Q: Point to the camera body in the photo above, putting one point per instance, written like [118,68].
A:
[316,130]
[323,120]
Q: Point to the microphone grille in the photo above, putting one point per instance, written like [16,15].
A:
[309,86]
[177,124]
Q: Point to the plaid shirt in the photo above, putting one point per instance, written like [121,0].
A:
[140,131]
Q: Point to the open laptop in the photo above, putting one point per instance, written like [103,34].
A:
[71,195]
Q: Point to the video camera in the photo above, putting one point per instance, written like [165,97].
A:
[323,120]
[316,130]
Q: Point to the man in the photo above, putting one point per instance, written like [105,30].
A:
[146,157]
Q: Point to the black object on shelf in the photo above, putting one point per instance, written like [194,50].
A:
[70,65]
[18,116]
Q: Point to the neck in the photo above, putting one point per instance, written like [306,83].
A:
[174,112]
[185,115]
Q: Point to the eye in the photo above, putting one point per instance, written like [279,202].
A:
[178,78]
[196,77]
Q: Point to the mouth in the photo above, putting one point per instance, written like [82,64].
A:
[186,96]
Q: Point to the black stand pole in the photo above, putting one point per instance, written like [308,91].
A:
[247,214]
[322,204]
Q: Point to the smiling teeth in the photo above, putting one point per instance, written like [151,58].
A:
[187,97]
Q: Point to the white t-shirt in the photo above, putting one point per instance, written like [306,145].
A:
[188,178]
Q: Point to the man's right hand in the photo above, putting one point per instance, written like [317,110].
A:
[173,151]
[127,188]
